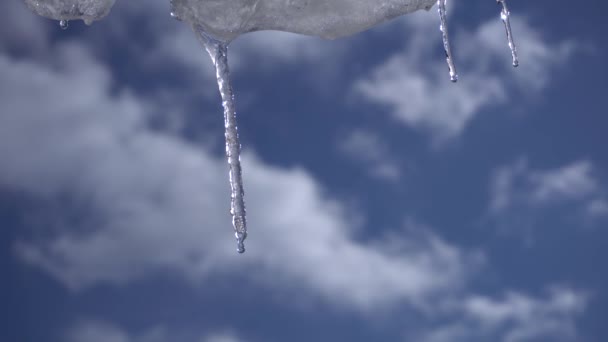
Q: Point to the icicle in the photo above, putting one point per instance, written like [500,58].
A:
[218,51]
[64,24]
[446,40]
[504,16]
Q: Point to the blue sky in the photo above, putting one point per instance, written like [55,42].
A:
[385,203]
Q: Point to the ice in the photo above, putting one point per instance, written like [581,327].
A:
[446,39]
[504,16]
[218,51]
[64,10]
[225,20]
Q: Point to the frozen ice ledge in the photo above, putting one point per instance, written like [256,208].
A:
[227,19]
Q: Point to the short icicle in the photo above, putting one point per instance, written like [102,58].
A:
[218,50]
[504,16]
[64,24]
[446,39]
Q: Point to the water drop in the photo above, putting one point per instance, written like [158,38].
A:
[218,50]
[64,24]
[175,16]
[504,16]
[446,40]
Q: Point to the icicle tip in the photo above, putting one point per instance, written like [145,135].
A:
[240,242]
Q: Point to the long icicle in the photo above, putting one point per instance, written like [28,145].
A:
[504,16]
[446,39]
[218,51]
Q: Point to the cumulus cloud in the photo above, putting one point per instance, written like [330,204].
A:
[155,202]
[418,92]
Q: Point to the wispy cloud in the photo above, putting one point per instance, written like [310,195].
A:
[418,92]
[92,330]
[598,208]
[368,149]
[517,185]
[97,331]
[515,317]
[225,336]
[524,201]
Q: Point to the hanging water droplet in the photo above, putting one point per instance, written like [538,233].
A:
[218,50]
[175,16]
[64,24]
[443,27]
[504,16]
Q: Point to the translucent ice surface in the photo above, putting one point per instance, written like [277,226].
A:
[218,51]
[226,19]
[504,16]
[65,10]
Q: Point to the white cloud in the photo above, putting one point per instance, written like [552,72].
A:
[574,181]
[523,199]
[516,185]
[97,331]
[418,92]
[221,337]
[91,330]
[369,150]
[514,318]
[155,202]
[529,317]
[598,208]
[21,30]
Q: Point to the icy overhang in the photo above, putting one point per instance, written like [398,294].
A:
[64,10]
[227,19]
[330,19]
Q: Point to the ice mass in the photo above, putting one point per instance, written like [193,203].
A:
[217,22]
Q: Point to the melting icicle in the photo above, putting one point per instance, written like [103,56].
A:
[504,16]
[218,50]
[446,39]
[64,24]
